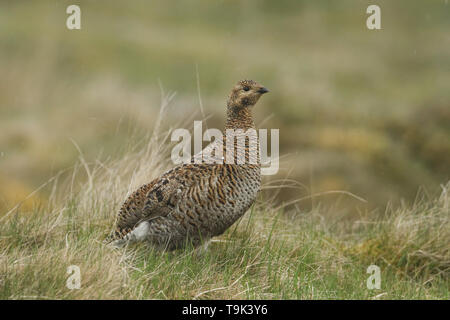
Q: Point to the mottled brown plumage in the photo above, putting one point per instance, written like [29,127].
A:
[196,201]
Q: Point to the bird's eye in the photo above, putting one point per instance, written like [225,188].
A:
[246,88]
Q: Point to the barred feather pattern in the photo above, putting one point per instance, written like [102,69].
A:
[195,201]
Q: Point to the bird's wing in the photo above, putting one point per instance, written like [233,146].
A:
[131,211]
[156,199]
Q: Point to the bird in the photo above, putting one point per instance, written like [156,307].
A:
[200,199]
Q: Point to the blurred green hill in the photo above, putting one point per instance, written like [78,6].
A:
[362,111]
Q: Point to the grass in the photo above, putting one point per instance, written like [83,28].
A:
[365,112]
[271,253]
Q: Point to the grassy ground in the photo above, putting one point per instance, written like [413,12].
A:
[271,253]
[362,115]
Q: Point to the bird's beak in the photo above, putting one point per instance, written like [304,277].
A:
[263,90]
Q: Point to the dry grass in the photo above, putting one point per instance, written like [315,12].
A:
[268,254]
[411,240]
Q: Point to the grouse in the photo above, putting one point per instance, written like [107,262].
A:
[196,201]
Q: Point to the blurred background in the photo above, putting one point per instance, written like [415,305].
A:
[362,111]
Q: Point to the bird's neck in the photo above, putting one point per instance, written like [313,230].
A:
[239,118]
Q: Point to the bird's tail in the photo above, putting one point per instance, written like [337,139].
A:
[116,235]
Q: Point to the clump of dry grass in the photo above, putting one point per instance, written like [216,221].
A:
[411,240]
[36,246]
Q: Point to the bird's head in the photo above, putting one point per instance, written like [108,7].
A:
[245,94]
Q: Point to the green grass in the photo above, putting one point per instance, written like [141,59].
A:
[271,253]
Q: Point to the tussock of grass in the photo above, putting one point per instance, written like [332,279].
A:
[268,254]
[411,240]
